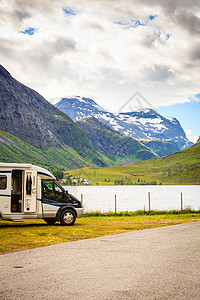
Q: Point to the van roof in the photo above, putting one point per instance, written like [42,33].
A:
[15,165]
[42,172]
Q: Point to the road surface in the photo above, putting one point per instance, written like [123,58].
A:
[161,263]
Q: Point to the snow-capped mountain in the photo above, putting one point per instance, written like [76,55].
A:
[79,107]
[139,124]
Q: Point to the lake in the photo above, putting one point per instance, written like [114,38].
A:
[132,198]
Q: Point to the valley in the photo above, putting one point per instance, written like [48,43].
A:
[180,168]
[91,142]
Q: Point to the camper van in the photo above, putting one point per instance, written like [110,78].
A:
[31,192]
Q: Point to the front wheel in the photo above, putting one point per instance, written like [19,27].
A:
[67,217]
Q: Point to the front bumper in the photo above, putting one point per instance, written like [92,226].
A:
[79,212]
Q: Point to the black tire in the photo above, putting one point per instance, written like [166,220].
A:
[50,221]
[67,217]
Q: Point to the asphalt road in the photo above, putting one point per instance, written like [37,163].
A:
[161,263]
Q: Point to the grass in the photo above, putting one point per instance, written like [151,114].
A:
[178,168]
[36,233]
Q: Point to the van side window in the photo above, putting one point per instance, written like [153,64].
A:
[3,182]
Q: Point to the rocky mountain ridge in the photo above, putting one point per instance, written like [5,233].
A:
[139,124]
[116,146]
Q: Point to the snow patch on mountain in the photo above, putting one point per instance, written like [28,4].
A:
[143,123]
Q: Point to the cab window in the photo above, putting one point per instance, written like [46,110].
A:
[51,191]
[3,182]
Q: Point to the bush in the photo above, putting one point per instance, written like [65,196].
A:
[140,212]
[58,174]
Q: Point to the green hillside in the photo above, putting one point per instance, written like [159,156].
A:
[161,147]
[182,167]
[15,150]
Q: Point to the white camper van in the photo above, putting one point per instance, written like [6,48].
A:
[31,192]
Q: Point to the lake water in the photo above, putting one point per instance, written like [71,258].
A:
[132,198]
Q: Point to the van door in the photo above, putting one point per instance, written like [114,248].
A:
[16,191]
[52,197]
[30,197]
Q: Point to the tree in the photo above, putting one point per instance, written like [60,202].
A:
[58,174]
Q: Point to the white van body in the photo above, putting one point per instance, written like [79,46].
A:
[31,192]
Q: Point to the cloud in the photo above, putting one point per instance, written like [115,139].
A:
[195,52]
[63,44]
[21,15]
[159,73]
[193,138]
[106,49]
[190,136]
[36,5]
[189,21]
[188,131]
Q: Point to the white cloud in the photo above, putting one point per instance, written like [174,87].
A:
[190,136]
[193,138]
[87,53]
[188,132]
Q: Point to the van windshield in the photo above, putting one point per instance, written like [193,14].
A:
[52,191]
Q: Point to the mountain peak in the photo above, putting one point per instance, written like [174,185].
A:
[82,100]
[78,107]
[143,123]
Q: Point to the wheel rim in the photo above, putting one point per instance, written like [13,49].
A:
[68,217]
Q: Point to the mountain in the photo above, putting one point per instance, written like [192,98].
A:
[26,115]
[34,131]
[139,124]
[116,146]
[181,167]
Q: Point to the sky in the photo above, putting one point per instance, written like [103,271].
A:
[108,50]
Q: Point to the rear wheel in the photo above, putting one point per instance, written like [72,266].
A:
[67,217]
[50,221]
